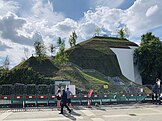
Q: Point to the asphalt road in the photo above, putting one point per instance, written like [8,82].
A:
[122,112]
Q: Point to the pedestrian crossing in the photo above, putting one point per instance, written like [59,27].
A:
[97,119]
[35,109]
[4,115]
[46,119]
[87,113]
[83,114]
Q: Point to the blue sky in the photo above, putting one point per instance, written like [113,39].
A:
[73,9]
[22,22]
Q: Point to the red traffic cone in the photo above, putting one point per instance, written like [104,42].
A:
[89,104]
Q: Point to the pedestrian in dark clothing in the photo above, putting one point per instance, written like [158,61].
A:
[63,102]
[156,91]
[69,94]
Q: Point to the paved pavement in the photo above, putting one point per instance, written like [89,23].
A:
[122,112]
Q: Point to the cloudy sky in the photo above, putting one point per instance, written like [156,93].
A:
[22,22]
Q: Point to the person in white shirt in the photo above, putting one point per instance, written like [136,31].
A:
[158,81]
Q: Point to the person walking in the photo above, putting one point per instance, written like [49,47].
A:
[63,102]
[58,95]
[157,91]
[69,97]
[158,85]
[154,93]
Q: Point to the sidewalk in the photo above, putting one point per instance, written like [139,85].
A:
[134,112]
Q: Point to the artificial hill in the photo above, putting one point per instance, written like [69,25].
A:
[95,53]
[43,66]
[35,70]
[90,63]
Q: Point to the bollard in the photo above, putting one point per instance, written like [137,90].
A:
[23,104]
[89,95]
[89,103]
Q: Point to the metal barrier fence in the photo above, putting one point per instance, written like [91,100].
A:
[20,95]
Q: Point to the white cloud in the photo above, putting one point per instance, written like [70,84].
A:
[104,17]
[136,17]
[141,17]
[24,21]
[42,11]
[64,28]
[7,6]
[31,20]
[86,30]
[3,46]
[152,10]
[15,53]
[9,25]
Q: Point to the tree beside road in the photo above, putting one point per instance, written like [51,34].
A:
[149,58]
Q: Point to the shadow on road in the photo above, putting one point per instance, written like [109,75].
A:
[71,115]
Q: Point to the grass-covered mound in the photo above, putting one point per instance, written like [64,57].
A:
[35,70]
[85,81]
[42,65]
[23,76]
[95,53]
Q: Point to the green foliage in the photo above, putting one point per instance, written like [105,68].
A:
[149,58]
[72,39]
[1,69]
[52,49]
[97,31]
[35,70]
[43,65]
[60,42]
[6,63]
[86,81]
[61,56]
[121,33]
[40,49]
[25,76]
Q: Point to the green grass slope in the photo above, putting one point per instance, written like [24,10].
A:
[86,81]
[44,66]
[95,53]
[35,70]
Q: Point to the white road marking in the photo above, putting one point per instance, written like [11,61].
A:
[82,108]
[4,115]
[123,115]
[77,117]
[136,114]
[148,114]
[47,119]
[97,119]
[88,113]
[41,119]
[156,110]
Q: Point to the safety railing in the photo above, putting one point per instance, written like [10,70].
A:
[80,99]
[30,95]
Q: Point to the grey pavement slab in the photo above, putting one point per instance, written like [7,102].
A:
[123,112]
